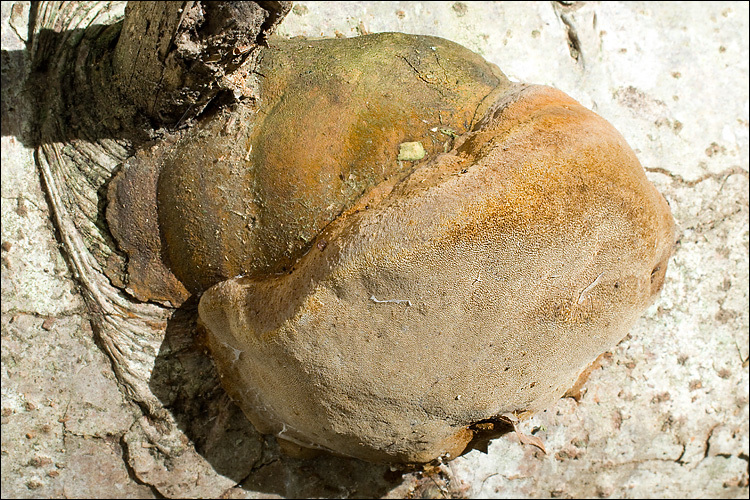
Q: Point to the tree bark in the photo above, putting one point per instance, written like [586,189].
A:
[101,94]
[103,91]
[624,412]
[173,58]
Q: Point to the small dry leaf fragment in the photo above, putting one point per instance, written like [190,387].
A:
[528,439]
[524,438]
[34,484]
[411,151]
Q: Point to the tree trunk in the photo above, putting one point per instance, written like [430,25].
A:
[131,82]
[65,430]
[105,89]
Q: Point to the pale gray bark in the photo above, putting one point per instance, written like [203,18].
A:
[666,415]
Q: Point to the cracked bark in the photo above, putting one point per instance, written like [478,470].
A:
[676,178]
[173,58]
[131,471]
[102,91]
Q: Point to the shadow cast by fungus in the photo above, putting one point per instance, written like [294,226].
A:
[484,432]
[186,382]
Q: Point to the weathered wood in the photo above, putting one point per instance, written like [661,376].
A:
[85,128]
[173,58]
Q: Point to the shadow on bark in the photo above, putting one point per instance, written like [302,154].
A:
[187,384]
[12,109]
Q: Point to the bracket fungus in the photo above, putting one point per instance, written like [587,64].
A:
[379,306]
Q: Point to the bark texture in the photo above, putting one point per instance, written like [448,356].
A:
[82,131]
[173,58]
[668,413]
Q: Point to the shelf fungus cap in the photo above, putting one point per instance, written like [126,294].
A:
[497,271]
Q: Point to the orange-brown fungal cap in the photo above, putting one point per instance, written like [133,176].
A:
[247,191]
[481,284]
